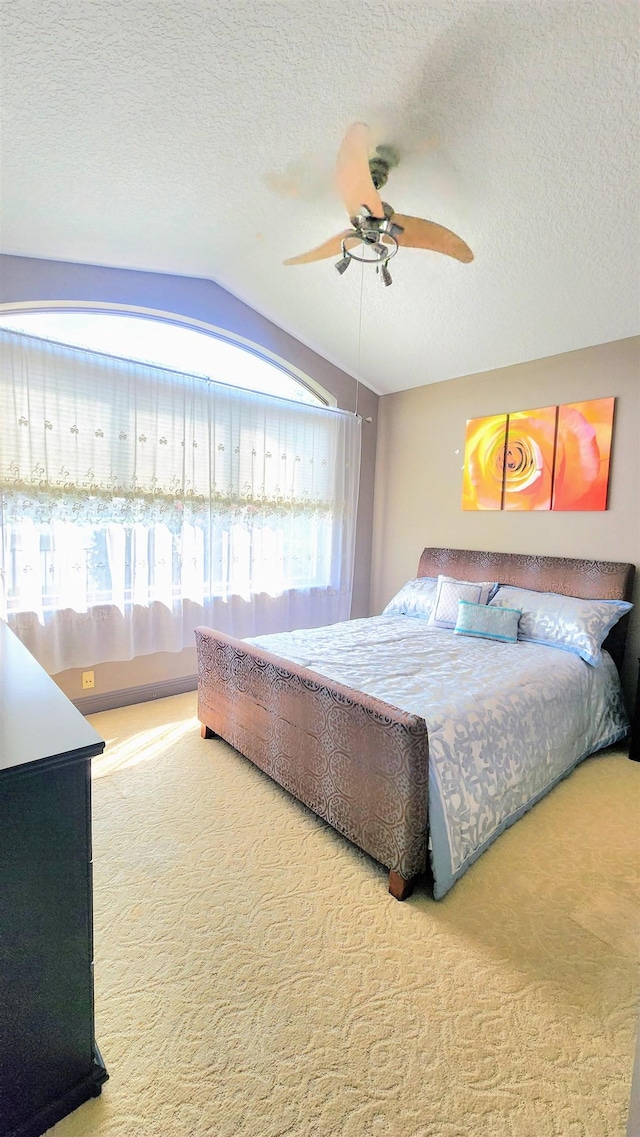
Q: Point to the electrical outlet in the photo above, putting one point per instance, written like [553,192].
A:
[87,680]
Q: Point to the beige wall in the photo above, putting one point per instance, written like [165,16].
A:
[419,471]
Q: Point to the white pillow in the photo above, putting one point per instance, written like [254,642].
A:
[568,622]
[415,598]
[450,591]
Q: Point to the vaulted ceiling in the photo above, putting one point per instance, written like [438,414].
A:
[199,139]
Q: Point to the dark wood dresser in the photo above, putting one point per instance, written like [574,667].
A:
[49,1062]
[634,745]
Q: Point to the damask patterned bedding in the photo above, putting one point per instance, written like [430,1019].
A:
[418,738]
[505,721]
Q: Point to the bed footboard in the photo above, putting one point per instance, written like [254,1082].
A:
[357,762]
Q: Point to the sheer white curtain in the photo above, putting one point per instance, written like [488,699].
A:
[136,503]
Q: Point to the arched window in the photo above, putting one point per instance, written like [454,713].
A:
[170,342]
[139,499]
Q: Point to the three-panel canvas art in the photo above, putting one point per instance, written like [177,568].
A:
[549,458]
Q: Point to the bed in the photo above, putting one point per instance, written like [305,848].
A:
[418,744]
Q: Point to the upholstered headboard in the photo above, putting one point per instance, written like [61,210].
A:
[591,580]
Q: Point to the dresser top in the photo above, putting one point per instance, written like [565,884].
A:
[37,721]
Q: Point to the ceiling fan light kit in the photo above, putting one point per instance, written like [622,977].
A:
[377,230]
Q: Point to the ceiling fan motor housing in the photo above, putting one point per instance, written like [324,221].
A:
[384,159]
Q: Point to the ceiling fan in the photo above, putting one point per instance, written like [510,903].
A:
[376,229]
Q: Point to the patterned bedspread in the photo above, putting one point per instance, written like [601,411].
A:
[505,721]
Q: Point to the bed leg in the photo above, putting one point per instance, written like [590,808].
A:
[399,887]
[207,732]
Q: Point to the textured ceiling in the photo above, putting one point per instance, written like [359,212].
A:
[199,138]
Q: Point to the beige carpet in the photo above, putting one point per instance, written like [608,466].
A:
[255,979]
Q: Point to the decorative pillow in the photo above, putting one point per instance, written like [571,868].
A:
[415,598]
[487,622]
[567,622]
[449,591]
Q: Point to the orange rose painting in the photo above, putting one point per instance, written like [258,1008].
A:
[484,449]
[531,444]
[550,458]
[583,454]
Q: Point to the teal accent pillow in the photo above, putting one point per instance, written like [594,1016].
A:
[567,622]
[415,598]
[486,622]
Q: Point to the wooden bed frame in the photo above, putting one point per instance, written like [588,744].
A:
[356,761]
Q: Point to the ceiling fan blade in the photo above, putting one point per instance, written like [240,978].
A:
[421,234]
[331,248]
[353,177]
